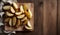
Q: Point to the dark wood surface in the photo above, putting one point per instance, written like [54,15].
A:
[46,17]
[58,8]
[50,17]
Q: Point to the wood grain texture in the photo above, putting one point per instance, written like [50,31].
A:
[50,17]
[58,8]
[25,1]
[45,17]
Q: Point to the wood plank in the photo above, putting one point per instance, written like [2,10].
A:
[58,16]
[25,1]
[50,17]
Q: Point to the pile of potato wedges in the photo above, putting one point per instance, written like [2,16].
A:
[17,15]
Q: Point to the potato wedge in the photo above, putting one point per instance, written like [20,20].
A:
[25,7]
[9,14]
[28,14]
[6,7]
[15,5]
[18,13]
[28,26]
[21,16]
[10,22]
[21,9]
[18,23]
[12,10]
[25,18]
[14,21]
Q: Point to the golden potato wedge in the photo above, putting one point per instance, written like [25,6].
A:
[21,16]
[25,18]
[15,5]
[9,14]
[10,22]
[28,26]
[25,22]
[14,21]
[12,10]
[21,9]
[25,7]
[18,23]
[18,13]
[28,14]
[6,7]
